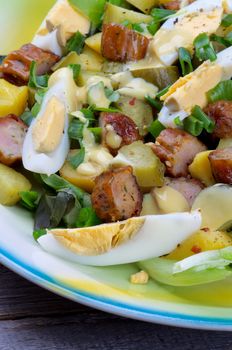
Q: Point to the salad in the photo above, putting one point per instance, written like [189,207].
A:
[116,133]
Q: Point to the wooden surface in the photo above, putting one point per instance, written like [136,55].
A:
[32,318]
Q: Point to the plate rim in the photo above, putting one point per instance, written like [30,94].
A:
[108,305]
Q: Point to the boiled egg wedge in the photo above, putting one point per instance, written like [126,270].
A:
[192,89]
[202,16]
[129,241]
[46,144]
[62,22]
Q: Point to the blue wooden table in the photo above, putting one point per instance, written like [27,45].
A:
[32,318]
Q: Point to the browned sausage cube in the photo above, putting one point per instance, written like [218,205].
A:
[118,130]
[221,113]
[16,66]
[12,134]
[116,195]
[221,164]
[120,44]
[177,149]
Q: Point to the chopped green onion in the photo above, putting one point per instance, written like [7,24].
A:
[39,233]
[227,21]
[75,130]
[153,27]
[109,110]
[137,27]
[35,109]
[155,128]
[178,122]
[222,91]
[37,81]
[204,48]
[219,39]
[193,126]
[76,68]
[75,43]
[185,61]
[97,132]
[208,123]
[162,92]
[78,158]
[161,15]
[27,117]
[29,199]
[87,218]
[228,38]
[88,113]
[154,102]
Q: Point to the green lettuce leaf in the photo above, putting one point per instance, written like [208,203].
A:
[199,269]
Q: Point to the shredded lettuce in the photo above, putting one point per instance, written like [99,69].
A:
[199,269]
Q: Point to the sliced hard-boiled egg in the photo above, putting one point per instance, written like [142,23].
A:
[47,144]
[192,89]
[60,24]
[202,16]
[123,242]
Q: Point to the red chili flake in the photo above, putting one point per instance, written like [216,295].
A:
[195,249]
[205,229]
[132,102]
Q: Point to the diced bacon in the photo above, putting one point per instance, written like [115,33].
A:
[189,188]
[12,134]
[16,66]
[221,164]
[177,149]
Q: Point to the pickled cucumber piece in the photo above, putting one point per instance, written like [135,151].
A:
[139,111]
[89,60]
[113,67]
[116,14]
[225,143]
[144,5]
[159,76]
[147,167]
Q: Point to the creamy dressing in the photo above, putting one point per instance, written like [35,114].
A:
[169,200]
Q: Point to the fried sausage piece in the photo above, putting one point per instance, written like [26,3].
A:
[177,149]
[120,44]
[12,134]
[221,164]
[116,195]
[118,130]
[189,188]
[16,66]
[221,113]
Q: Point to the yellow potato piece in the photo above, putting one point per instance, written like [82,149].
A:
[89,60]
[96,240]
[70,174]
[200,168]
[201,241]
[94,42]
[149,206]
[11,183]
[144,5]
[13,99]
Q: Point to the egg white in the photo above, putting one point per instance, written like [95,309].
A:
[224,59]
[171,54]
[159,235]
[61,86]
